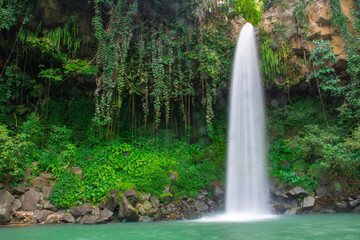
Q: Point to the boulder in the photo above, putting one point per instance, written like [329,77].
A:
[155,201]
[18,190]
[144,197]
[217,191]
[6,197]
[5,209]
[105,215]
[68,218]
[49,206]
[16,204]
[354,203]
[126,211]
[111,202]
[356,209]
[308,202]
[341,207]
[40,216]
[80,210]
[39,183]
[31,198]
[46,191]
[201,197]
[89,219]
[291,212]
[298,191]
[2,186]
[131,195]
[201,206]
[147,205]
[145,219]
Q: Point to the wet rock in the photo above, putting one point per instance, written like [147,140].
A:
[329,211]
[105,215]
[217,191]
[5,209]
[211,204]
[131,195]
[356,210]
[145,219]
[291,212]
[40,216]
[201,197]
[341,207]
[298,191]
[16,204]
[308,202]
[31,199]
[80,210]
[89,219]
[354,203]
[126,211]
[201,206]
[68,218]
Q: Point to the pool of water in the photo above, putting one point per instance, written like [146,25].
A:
[337,226]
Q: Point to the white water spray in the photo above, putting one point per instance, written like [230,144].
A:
[246,186]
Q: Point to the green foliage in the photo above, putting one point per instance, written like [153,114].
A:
[321,57]
[251,10]
[15,155]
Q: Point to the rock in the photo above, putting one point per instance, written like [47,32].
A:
[89,219]
[112,201]
[6,197]
[49,206]
[18,190]
[39,183]
[144,197]
[341,207]
[145,219]
[77,171]
[2,186]
[211,204]
[126,211]
[46,191]
[153,211]
[298,191]
[171,208]
[16,204]
[354,203]
[5,209]
[31,198]
[329,211]
[166,197]
[201,197]
[217,191]
[131,195]
[155,201]
[308,202]
[105,215]
[80,210]
[142,210]
[237,23]
[40,216]
[201,206]
[291,212]
[356,209]
[68,218]
[147,205]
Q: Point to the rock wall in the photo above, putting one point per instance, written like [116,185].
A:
[318,26]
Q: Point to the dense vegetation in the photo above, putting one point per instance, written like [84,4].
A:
[135,91]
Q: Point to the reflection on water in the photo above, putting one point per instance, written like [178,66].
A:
[341,226]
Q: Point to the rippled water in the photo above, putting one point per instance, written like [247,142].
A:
[309,227]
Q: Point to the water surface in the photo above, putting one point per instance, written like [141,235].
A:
[337,226]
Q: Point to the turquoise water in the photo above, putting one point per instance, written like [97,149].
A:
[338,226]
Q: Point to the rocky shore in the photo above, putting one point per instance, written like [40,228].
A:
[31,205]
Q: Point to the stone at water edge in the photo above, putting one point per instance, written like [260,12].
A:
[80,210]
[68,218]
[356,210]
[201,206]
[145,219]
[111,202]
[31,199]
[308,202]
[5,213]
[217,191]
[291,212]
[105,215]
[126,211]
[40,216]
[89,219]
[354,203]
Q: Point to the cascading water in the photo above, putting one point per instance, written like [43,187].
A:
[246,191]
[246,186]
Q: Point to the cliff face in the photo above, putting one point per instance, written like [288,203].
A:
[317,25]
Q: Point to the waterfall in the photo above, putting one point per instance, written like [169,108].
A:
[246,186]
